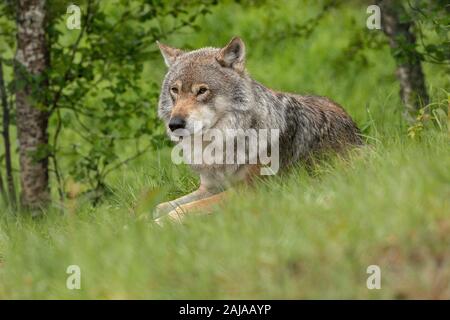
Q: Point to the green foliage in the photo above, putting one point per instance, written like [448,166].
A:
[96,78]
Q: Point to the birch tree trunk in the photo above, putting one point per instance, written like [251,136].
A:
[7,141]
[402,40]
[31,63]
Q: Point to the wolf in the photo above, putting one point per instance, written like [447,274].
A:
[211,86]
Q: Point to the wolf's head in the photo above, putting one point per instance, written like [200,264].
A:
[202,86]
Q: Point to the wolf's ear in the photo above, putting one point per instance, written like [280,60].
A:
[169,54]
[233,55]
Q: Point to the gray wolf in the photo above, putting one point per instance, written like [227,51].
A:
[211,86]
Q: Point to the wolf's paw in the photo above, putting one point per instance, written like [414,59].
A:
[173,216]
[163,208]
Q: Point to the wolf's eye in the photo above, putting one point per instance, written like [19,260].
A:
[202,90]
[174,90]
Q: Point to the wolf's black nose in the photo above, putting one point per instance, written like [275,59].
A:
[177,123]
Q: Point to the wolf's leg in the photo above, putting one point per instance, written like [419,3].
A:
[168,206]
[203,206]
